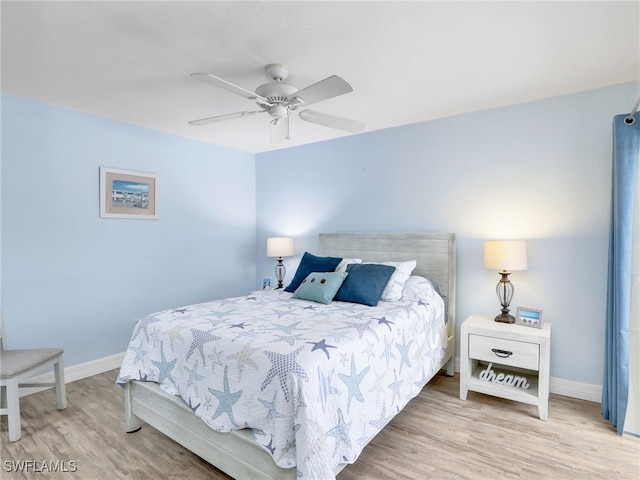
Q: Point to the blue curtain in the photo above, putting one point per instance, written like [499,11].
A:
[626,151]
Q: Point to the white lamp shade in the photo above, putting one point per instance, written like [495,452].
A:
[279,247]
[508,255]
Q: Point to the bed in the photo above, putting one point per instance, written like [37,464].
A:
[308,384]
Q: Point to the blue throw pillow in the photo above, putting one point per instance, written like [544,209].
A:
[310,263]
[365,283]
[320,287]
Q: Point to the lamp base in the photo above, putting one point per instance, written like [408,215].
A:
[280,272]
[504,289]
[505,318]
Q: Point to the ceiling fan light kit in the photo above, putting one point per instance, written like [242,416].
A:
[278,99]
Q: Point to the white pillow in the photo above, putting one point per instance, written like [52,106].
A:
[417,288]
[342,266]
[393,291]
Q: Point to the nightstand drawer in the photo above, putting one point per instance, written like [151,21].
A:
[504,352]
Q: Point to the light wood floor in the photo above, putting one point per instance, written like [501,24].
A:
[437,436]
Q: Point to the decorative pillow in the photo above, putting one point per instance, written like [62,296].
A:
[311,263]
[342,266]
[365,283]
[418,288]
[393,289]
[320,287]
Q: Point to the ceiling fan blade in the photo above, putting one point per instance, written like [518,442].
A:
[346,124]
[280,129]
[328,88]
[230,87]
[221,118]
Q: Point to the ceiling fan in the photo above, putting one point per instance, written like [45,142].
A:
[278,99]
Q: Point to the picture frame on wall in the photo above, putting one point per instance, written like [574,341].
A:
[529,317]
[128,194]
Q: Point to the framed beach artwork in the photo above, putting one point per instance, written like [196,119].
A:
[128,194]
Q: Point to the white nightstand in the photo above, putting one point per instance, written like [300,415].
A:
[515,350]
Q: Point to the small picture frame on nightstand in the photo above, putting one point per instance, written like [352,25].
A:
[529,317]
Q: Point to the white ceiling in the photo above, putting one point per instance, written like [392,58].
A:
[407,61]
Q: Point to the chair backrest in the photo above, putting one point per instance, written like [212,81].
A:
[3,340]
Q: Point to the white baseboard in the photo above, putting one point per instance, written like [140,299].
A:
[568,388]
[77,372]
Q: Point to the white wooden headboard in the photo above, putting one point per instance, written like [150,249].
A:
[435,255]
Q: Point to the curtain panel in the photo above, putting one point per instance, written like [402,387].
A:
[626,152]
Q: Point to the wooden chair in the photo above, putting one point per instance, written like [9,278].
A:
[16,367]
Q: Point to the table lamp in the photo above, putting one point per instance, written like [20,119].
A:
[280,247]
[505,256]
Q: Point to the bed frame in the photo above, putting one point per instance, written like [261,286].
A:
[235,453]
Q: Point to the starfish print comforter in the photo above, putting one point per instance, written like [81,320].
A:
[313,382]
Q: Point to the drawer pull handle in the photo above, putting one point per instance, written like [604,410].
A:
[502,353]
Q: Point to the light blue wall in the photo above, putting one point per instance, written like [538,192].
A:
[78,281]
[539,171]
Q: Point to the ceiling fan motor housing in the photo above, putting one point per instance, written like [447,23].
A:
[277,94]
